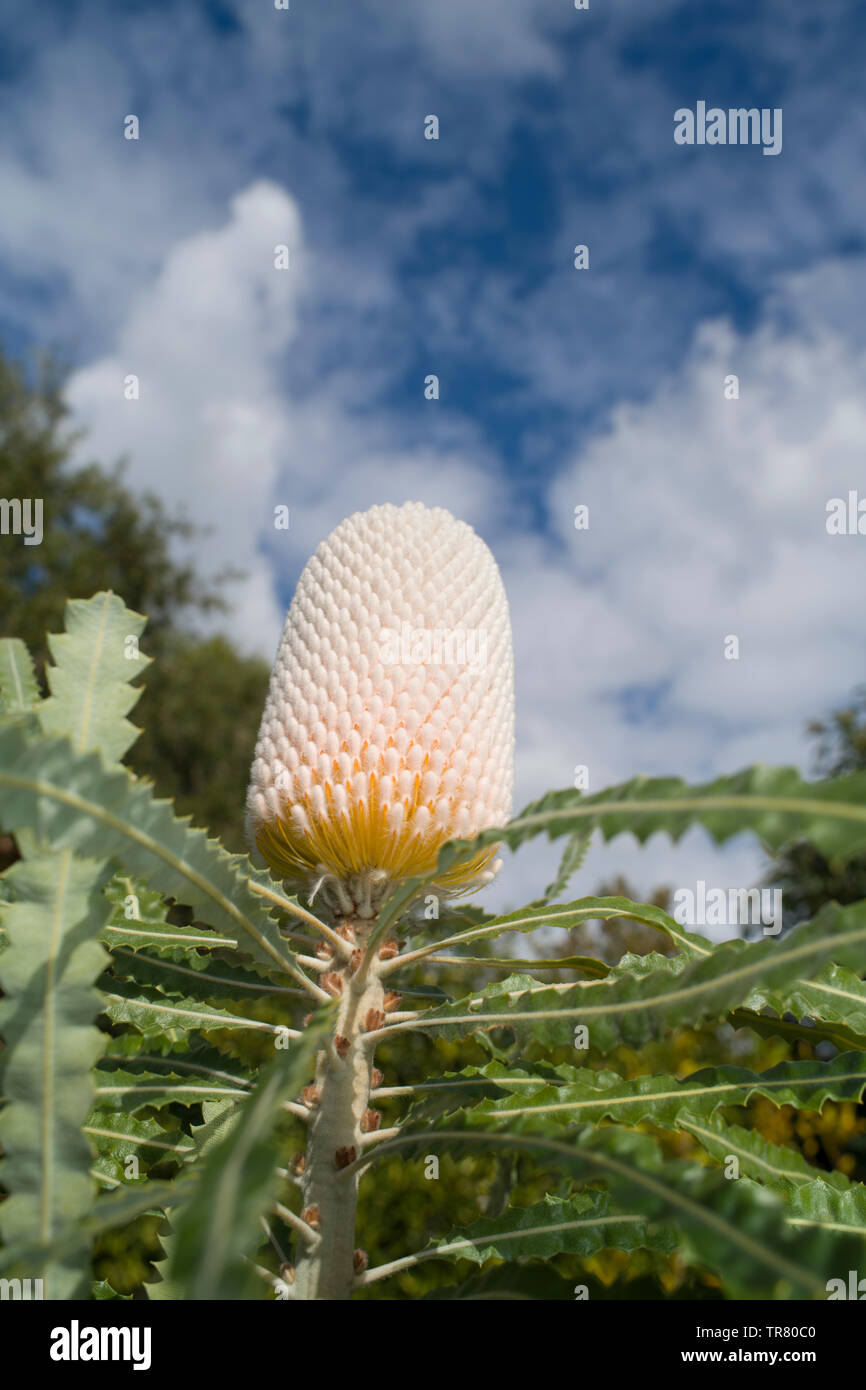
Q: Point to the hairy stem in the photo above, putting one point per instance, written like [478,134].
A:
[340,1118]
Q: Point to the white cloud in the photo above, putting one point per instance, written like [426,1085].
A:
[88,215]
[707,519]
[210,426]
[217,432]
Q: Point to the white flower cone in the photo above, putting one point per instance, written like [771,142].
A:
[389,723]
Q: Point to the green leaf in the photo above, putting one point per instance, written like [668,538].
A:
[738,1230]
[578,1225]
[812,1032]
[48,1021]
[119,1136]
[572,859]
[206,978]
[220,1119]
[567,915]
[836,995]
[819,1203]
[588,965]
[162,1289]
[776,804]
[75,802]
[151,1012]
[96,658]
[131,1091]
[161,937]
[436,1096]
[110,1212]
[570,1095]
[139,919]
[19,690]
[191,1054]
[756,1157]
[238,1176]
[632,1007]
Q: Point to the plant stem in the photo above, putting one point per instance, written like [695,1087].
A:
[326,1270]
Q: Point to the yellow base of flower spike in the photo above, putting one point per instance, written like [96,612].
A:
[359,844]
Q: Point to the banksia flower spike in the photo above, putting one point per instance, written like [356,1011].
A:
[389,722]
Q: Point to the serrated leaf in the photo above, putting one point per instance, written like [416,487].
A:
[823,1204]
[19,689]
[94,662]
[776,804]
[573,1095]
[130,1091]
[756,1157]
[151,1012]
[766,1025]
[572,859]
[191,1054]
[161,937]
[588,965]
[565,916]
[633,1007]
[119,1136]
[75,802]
[139,919]
[837,996]
[48,1021]
[578,1225]
[162,1289]
[206,978]
[738,1230]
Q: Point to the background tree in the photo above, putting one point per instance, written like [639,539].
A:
[202,699]
[805,876]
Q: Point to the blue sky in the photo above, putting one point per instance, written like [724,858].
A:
[455,257]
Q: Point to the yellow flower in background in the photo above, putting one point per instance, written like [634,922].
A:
[389,723]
